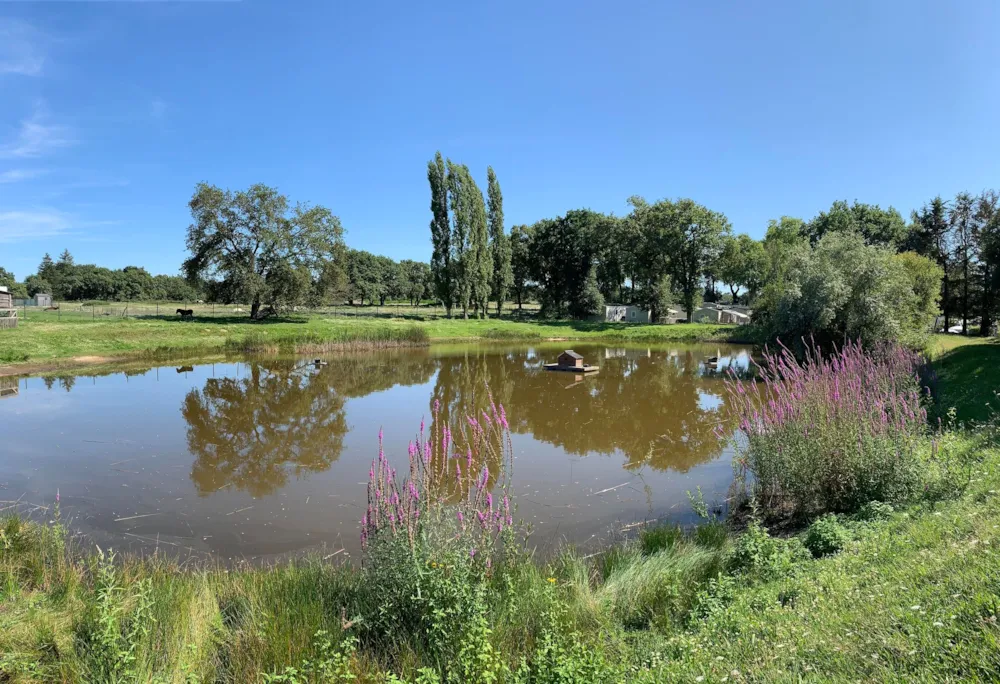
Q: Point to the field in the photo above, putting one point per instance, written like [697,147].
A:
[48,339]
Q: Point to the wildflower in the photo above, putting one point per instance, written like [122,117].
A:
[57,496]
[472,553]
[551,580]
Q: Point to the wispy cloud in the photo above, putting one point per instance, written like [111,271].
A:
[22,48]
[36,137]
[20,226]
[16,175]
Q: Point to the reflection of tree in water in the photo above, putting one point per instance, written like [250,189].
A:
[65,381]
[250,432]
[646,406]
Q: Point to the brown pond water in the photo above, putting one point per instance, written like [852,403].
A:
[253,458]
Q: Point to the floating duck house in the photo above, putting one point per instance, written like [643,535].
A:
[569,360]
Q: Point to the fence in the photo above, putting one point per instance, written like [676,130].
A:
[106,310]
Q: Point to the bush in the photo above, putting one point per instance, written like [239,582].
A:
[825,536]
[832,433]
[759,555]
[875,510]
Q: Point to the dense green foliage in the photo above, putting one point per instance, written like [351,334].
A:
[500,249]
[254,247]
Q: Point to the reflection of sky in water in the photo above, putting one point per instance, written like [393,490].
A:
[258,458]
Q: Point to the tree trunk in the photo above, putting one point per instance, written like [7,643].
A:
[965,294]
[733,290]
[945,305]
[986,318]
[499,307]
[255,307]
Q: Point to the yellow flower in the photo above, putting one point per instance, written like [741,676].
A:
[552,580]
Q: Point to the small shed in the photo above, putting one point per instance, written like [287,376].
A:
[706,314]
[570,359]
[8,314]
[730,316]
[42,299]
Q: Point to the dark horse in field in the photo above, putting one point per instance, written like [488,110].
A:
[186,313]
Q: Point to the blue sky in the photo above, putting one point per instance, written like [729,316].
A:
[111,112]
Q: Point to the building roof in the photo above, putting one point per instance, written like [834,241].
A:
[572,354]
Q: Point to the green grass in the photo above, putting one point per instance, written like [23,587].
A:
[44,338]
[968,371]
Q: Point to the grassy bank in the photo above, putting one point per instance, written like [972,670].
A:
[45,339]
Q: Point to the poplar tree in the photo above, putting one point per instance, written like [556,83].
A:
[481,261]
[441,268]
[461,220]
[500,249]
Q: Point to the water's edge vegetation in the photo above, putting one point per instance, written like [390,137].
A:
[47,341]
[893,578]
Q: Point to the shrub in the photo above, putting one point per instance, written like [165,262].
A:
[436,542]
[759,555]
[825,536]
[832,433]
[875,510]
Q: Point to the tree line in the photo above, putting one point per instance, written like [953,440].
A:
[854,271]
[66,280]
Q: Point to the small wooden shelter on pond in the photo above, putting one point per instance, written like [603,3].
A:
[569,360]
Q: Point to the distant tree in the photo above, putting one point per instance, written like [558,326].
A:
[461,228]
[7,278]
[65,259]
[416,275]
[662,300]
[34,285]
[364,276]
[690,236]
[441,232]
[924,288]
[500,248]
[614,251]
[520,260]
[741,264]
[563,262]
[590,301]
[987,219]
[929,236]
[45,268]
[254,242]
[962,221]
[877,226]
[481,258]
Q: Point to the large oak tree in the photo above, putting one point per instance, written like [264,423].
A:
[261,249]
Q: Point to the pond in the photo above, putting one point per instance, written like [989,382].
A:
[254,458]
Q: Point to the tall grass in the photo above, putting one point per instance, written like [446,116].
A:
[367,337]
[830,432]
